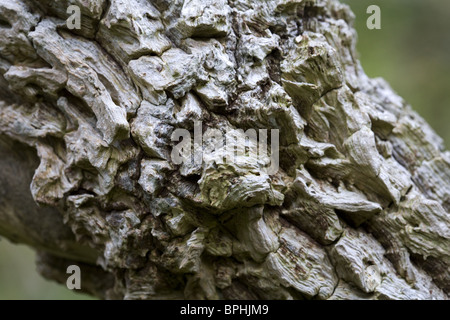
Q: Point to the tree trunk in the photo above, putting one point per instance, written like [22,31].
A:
[357,209]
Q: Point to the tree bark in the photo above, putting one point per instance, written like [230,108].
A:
[357,210]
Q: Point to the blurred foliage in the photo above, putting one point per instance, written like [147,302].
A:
[20,280]
[411,51]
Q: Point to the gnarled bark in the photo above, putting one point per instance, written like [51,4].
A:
[359,206]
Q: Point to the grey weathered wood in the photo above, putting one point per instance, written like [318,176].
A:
[359,208]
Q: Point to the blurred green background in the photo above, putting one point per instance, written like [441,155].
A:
[20,280]
[411,51]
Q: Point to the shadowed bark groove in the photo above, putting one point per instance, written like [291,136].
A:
[357,210]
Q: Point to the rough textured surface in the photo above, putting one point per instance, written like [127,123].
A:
[358,210]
